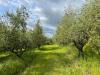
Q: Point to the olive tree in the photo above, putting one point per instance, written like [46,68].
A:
[38,36]
[16,39]
[71,30]
[81,28]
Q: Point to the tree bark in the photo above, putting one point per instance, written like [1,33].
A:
[79,46]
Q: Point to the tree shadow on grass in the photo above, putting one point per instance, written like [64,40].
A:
[46,63]
[5,56]
[2,59]
[49,49]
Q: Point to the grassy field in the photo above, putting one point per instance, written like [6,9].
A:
[48,60]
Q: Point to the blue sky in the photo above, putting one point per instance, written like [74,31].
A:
[49,11]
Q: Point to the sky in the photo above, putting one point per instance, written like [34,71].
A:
[48,11]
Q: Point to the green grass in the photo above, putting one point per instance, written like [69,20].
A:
[48,60]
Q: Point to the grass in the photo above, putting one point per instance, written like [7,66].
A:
[48,60]
[11,65]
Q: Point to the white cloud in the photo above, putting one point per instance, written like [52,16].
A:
[27,1]
[37,10]
[49,27]
[1,1]
[4,2]
[43,18]
[12,3]
[16,4]
[48,34]
[54,9]
[84,1]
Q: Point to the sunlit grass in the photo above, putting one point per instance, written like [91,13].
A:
[4,54]
[49,60]
[11,66]
[51,49]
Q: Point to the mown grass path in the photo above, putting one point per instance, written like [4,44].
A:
[55,60]
[48,60]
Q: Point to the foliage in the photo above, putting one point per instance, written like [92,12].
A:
[80,28]
[38,37]
[14,35]
[3,29]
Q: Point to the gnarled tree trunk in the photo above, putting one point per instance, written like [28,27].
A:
[79,45]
